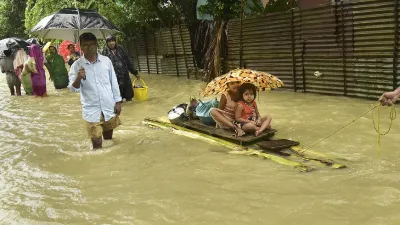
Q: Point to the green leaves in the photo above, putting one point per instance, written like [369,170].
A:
[129,15]
[38,9]
[229,9]
[17,17]
[279,5]
[12,18]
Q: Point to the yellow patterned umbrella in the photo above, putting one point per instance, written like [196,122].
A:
[219,84]
[263,81]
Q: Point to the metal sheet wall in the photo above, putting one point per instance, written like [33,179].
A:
[353,45]
[163,51]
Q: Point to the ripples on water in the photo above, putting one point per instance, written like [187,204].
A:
[50,175]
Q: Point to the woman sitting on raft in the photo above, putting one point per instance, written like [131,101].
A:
[224,115]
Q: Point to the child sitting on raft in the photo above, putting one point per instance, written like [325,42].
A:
[247,116]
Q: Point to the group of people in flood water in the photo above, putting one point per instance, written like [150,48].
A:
[102,79]
[103,82]
[25,66]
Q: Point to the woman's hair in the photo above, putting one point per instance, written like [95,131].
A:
[69,46]
[110,38]
[247,86]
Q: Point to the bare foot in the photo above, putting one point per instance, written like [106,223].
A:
[258,133]
[239,132]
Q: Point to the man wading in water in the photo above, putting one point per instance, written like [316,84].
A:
[101,100]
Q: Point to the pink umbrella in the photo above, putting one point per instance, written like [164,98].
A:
[64,51]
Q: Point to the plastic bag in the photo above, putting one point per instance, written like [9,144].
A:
[203,111]
[29,66]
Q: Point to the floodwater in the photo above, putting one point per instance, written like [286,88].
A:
[50,175]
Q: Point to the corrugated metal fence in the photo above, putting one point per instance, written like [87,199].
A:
[353,45]
[164,50]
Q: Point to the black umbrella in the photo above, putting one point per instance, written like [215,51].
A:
[68,24]
[31,41]
[12,43]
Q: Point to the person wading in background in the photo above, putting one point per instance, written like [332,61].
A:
[122,66]
[7,67]
[73,54]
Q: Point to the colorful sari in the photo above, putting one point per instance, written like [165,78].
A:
[57,70]
[38,79]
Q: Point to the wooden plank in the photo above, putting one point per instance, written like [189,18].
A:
[226,134]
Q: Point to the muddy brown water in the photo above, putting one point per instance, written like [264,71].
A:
[50,175]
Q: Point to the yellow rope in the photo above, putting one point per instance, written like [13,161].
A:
[392,117]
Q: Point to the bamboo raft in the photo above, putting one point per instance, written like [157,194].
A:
[197,125]
[280,151]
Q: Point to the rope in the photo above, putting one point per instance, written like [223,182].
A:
[392,116]
[377,129]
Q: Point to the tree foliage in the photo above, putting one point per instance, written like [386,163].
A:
[279,5]
[229,9]
[12,18]
[147,11]
[187,8]
[17,17]
[119,14]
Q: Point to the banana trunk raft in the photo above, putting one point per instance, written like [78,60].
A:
[280,151]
